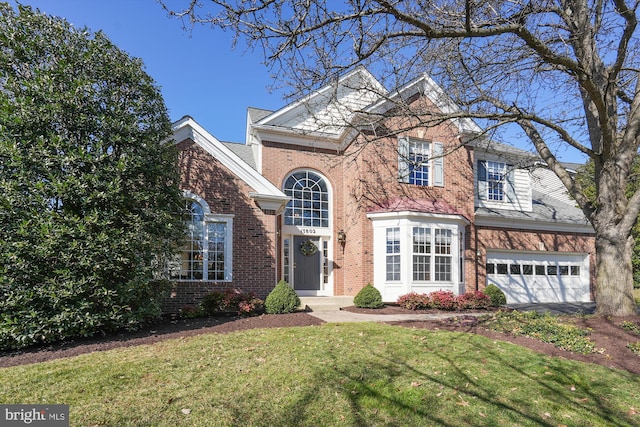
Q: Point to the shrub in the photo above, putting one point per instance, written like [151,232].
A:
[231,300]
[443,300]
[414,301]
[543,327]
[282,299]
[191,312]
[634,347]
[496,295]
[368,297]
[473,301]
[89,190]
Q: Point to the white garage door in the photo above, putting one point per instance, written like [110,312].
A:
[526,277]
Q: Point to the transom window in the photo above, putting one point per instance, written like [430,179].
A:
[206,254]
[309,206]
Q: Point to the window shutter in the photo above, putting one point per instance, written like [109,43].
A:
[403,159]
[438,164]
[482,179]
[510,190]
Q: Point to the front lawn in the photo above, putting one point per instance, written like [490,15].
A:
[363,374]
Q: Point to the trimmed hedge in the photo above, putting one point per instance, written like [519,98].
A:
[368,297]
[282,299]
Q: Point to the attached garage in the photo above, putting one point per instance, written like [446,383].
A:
[527,277]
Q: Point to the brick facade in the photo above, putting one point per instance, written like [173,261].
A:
[254,231]
[362,175]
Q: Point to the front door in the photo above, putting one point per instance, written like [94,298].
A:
[306,263]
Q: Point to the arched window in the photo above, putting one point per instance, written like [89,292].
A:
[206,253]
[309,206]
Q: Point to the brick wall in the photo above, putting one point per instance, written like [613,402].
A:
[254,231]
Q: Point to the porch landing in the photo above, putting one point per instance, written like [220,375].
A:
[324,304]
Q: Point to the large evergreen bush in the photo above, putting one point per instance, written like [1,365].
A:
[89,198]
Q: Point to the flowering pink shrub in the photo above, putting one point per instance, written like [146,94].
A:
[473,300]
[252,307]
[231,300]
[443,300]
[414,301]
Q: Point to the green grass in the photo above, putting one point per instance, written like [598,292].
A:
[361,374]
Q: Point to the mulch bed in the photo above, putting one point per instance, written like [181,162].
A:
[606,333]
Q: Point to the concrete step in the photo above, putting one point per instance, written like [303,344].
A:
[317,304]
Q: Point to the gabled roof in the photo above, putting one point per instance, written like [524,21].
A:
[325,118]
[268,196]
[426,86]
[321,119]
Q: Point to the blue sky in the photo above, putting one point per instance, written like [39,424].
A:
[199,73]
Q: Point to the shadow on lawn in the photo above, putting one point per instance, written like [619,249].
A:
[378,394]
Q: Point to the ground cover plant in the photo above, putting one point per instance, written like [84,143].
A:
[544,327]
[333,374]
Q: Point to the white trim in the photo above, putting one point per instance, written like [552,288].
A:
[266,192]
[418,216]
[186,194]
[538,225]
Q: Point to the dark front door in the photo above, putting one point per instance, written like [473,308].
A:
[306,267]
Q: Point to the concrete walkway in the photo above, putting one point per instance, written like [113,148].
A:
[329,310]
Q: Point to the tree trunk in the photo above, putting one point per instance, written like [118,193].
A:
[614,277]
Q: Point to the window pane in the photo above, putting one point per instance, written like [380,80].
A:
[575,270]
[443,242]
[419,162]
[563,270]
[552,270]
[421,267]
[496,173]
[514,269]
[216,233]
[393,253]
[421,240]
[442,269]
[491,268]
[501,268]
[310,200]
[527,269]
[540,270]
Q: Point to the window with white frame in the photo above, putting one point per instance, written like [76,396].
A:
[393,254]
[420,162]
[421,254]
[442,260]
[309,205]
[206,253]
[494,181]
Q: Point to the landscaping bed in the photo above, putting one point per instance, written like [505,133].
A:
[609,337]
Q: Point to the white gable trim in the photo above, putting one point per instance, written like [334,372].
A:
[429,88]
[363,72]
[266,193]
